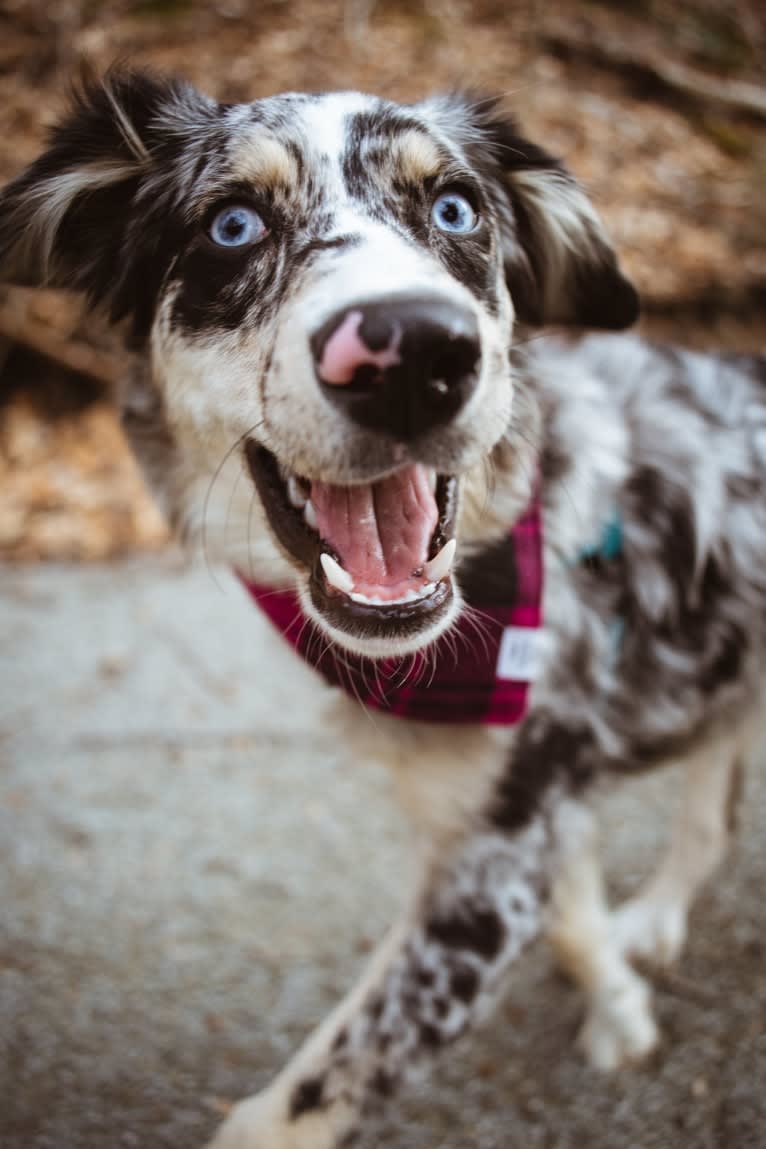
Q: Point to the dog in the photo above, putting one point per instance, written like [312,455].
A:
[322,298]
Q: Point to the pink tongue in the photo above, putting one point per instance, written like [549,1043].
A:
[380,531]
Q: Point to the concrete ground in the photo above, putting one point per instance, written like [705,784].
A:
[192,873]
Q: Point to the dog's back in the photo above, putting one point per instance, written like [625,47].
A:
[664,635]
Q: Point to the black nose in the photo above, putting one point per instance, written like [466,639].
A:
[403,366]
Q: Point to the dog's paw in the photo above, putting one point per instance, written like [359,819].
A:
[651,928]
[252,1124]
[620,1028]
[262,1122]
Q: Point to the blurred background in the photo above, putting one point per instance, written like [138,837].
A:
[658,106]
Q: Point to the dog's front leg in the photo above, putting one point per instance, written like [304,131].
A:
[435,974]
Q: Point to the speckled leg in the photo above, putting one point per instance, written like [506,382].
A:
[435,975]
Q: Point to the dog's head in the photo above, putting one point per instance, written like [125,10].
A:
[326,288]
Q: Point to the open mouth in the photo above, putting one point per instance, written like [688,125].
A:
[379,554]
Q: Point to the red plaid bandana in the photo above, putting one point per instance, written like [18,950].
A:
[479,672]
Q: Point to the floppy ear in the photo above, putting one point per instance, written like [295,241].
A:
[559,264]
[94,211]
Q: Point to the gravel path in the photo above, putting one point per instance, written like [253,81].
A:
[192,875]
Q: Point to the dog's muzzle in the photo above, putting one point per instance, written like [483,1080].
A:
[379,551]
[402,366]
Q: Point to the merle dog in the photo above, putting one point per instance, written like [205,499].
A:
[323,294]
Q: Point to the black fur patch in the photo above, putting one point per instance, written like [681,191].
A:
[340,1041]
[306,1096]
[490,578]
[464,982]
[555,461]
[383,1083]
[430,1037]
[545,752]
[469,928]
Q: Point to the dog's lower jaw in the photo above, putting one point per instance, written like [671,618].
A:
[393,645]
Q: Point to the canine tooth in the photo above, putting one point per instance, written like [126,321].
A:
[295,494]
[432,480]
[335,574]
[310,515]
[440,564]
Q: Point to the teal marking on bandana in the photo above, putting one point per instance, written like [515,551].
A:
[609,546]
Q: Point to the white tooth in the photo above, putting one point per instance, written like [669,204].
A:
[335,574]
[432,479]
[440,564]
[296,495]
[310,515]
[408,596]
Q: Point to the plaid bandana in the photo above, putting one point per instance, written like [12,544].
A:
[479,672]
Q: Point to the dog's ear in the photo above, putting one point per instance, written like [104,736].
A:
[560,266]
[88,213]
[559,263]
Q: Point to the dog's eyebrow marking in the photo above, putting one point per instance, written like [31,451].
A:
[417,155]
[262,159]
[328,244]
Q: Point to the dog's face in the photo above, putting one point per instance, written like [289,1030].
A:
[326,287]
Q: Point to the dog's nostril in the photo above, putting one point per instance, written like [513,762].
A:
[365,375]
[453,366]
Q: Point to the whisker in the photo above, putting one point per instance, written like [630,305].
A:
[431,656]
[479,630]
[378,685]
[250,509]
[302,631]
[339,659]
[229,505]
[208,494]
[409,671]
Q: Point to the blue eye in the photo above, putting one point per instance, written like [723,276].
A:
[236,226]
[453,213]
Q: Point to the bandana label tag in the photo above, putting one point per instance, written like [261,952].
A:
[520,654]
